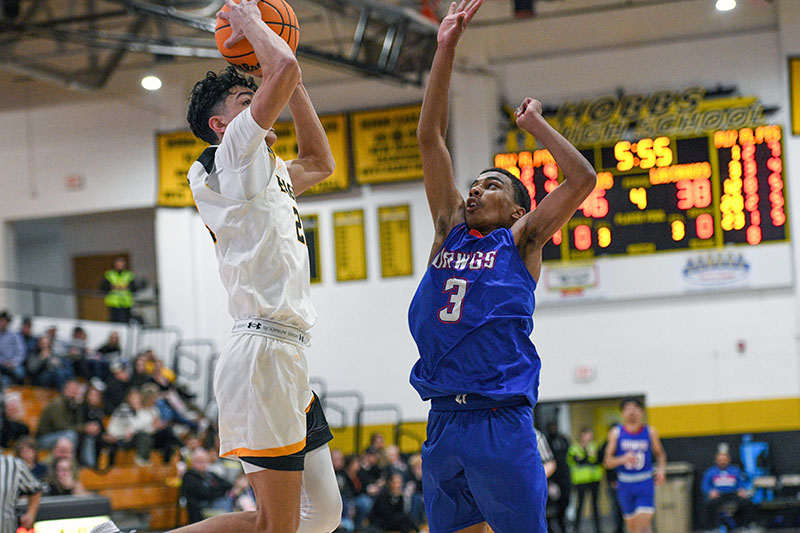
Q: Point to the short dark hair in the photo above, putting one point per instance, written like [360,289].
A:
[631,399]
[521,196]
[206,96]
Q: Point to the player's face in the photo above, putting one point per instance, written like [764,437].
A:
[237,101]
[490,204]
[632,413]
[723,460]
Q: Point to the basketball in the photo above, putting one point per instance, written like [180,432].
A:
[278,15]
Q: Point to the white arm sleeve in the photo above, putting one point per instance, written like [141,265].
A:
[244,163]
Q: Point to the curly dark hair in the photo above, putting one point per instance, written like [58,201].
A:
[521,196]
[206,97]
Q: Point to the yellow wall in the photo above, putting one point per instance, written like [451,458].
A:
[722,418]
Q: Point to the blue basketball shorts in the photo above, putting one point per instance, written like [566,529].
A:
[635,498]
[481,464]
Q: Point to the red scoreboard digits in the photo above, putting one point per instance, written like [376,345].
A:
[668,193]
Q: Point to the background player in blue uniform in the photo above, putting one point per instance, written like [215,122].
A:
[471,318]
[630,450]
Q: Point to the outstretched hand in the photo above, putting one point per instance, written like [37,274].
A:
[236,16]
[527,113]
[456,21]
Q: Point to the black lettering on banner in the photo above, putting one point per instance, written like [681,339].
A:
[299,225]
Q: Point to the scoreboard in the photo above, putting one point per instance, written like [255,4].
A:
[667,193]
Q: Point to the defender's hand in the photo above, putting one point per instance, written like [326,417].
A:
[527,114]
[456,21]
[237,16]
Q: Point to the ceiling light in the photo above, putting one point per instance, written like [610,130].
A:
[151,83]
[725,5]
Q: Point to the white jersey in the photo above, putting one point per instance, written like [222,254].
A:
[244,196]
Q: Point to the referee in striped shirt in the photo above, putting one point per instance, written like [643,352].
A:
[16,479]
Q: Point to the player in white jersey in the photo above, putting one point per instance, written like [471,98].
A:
[268,416]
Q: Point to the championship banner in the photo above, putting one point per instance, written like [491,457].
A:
[794,93]
[311,232]
[385,145]
[348,241]
[394,224]
[336,130]
[176,153]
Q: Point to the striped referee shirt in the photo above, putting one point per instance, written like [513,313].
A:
[15,478]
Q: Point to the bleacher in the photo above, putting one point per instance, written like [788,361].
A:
[149,491]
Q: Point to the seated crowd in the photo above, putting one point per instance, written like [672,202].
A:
[106,403]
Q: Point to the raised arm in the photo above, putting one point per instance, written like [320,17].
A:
[314,160]
[278,63]
[533,230]
[444,199]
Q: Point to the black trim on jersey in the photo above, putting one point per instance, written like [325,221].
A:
[207,159]
[318,433]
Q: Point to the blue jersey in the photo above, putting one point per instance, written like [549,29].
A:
[639,444]
[471,318]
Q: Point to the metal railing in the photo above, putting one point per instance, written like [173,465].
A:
[390,408]
[61,302]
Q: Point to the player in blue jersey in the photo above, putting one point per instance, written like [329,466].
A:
[630,450]
[472,318]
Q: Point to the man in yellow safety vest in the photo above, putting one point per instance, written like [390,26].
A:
[119,284]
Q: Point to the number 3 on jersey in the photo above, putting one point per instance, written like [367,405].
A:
[457,289]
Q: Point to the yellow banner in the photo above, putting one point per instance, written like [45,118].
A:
[311,231]
[794,93]
[385,145]
[348,240]
[336,129]
[394,223]
[176,153]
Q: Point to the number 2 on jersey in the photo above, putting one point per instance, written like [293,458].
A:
[457,288]
[298,222]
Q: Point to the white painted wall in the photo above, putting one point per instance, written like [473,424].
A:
[679,350]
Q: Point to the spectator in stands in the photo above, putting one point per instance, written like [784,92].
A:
[377,446]
[395,463]
[12,353]
[63,480]
[370,473]
[94,437]
[140,374]
[388,512]
[62,416]
[561,487]
[242,496]
[164,438]
[338,462]
[13,426]
[31,340]
[130,424]
[203,490]
[49,367]
[611,490]
[78,352]
[111,349]
[116,386]
[62,450]
[586,470]
[414,487]
[724,488]
[25,449]
[16,479]
[120,284]
[355,492]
